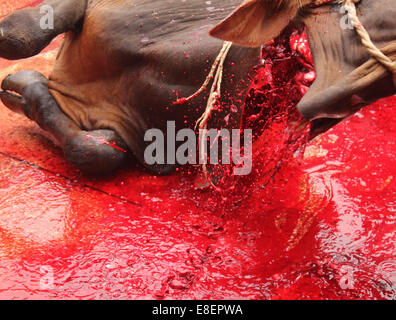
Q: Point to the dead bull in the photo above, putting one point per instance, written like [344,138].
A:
[122,61]
[118,72]
[348,76]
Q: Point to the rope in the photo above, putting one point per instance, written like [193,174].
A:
[366,40]
[214,96]
[350,6]
[215,91]
[208,78]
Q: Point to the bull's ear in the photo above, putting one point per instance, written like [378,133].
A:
[255,23]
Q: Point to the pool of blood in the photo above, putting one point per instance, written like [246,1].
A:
[322,227]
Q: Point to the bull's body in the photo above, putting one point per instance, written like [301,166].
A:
[125,68]
[124,61]
[123,64]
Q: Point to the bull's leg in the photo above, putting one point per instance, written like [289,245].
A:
[26,32]
[93,152]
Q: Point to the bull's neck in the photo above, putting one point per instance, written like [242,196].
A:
[335,50]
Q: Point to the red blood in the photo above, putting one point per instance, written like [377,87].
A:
[104,141]
[323,228]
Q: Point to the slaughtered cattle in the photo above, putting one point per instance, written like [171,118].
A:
[118,73]
[349,77]
[124,63]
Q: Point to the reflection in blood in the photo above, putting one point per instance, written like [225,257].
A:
[322,228]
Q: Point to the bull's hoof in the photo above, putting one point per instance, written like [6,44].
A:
[13,102]
[98,152]
[18,81]
[15,96]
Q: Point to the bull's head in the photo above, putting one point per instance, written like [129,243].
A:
[348,78]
